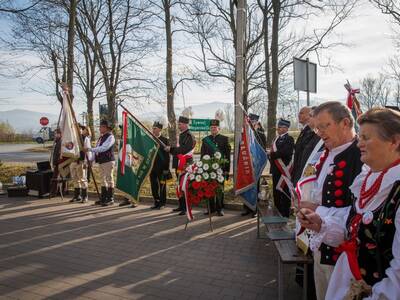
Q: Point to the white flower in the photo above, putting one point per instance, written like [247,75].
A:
[192,177]
[199,164]
[217,155]
[198,178]
[199,171]
[215,166]
[206,157]
[219,172]
[213,175]
[206,167]
[206,176]
[220,179]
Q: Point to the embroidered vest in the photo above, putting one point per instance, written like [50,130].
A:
[107,155]
[375,240]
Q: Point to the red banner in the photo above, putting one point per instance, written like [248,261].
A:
[245,172]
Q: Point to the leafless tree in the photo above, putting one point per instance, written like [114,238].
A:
[229,117]
[11,7]
[283,39]
[375,91]
[389,7]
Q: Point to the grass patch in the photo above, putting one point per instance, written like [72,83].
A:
[41,149]
[8,170]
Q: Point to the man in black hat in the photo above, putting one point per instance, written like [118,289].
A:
[160,171]
[104,156]
[182,155]
[217,143]
[280,158]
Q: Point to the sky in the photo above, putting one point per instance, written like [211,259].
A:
[369,34]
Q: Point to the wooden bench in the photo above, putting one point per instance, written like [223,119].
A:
[289,253]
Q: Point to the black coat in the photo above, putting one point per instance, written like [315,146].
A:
[211,144]
[161,162]
[261,138]
[305,137]
[187,142]
[285,146]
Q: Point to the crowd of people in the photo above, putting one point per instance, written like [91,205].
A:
[351,184]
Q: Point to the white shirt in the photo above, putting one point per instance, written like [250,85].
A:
[108,143]
[333,232]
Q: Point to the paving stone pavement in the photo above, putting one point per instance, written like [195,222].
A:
[52,249]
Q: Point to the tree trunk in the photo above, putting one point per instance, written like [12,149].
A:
[90,120]
[272,71]
[71,42]
[169,79]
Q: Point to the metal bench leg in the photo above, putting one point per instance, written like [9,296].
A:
[305,281]
[280,279]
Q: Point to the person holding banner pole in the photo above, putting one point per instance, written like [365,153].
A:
[104,156]
[183,155]
[281,159]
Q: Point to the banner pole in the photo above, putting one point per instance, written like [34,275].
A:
[144,127]
[80,139]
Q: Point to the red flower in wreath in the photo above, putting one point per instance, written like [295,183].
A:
[195,200]
[209,193]
[204,184]
[200,194]
[196,185]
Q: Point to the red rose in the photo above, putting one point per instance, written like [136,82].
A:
[196,185]
[204,184]
[338,193]
[339,202]
[338,183]
[195,200]
[200,194]
[209,193]
[339,173]
[341,164]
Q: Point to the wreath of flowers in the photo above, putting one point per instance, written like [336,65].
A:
[206,178]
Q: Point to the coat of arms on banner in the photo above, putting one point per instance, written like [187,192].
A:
[132,159]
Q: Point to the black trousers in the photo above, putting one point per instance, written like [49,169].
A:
[182,202]
[281,201]
[158,188]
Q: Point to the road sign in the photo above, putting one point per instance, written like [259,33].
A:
[301,66]
[199,124]
[44,121]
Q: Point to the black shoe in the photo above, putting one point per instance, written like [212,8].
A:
[220,213]
[161,206]
[156,205]
[125,202]
[133,205]
[253,214]
[182,213]
[103,196]
[77,195]
[84,196]
[108,203]
[110,195]
[245,213]
[177,209]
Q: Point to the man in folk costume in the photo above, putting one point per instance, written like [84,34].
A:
[78,169]
[302,141]
[160,171]
[216,142]
[334,173]
[104,156]
[182,156]
[262,141]
[280,159]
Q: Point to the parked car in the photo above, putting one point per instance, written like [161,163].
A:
[43,135]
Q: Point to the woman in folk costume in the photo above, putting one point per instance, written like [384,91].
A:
[367,233]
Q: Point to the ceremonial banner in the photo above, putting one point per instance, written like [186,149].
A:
[352,103]
[251,163]
[69,137]
[136,156]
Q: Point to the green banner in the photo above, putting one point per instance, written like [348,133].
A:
[141,150]
[199,125]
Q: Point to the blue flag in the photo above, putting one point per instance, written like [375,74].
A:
[259,159]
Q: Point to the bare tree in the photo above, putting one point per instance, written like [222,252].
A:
[229,117]
[282,41]
[8,6]
[389,7]
[375,91]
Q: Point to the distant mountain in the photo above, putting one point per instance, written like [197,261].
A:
[25,120]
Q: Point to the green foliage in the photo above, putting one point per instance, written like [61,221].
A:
[8,134]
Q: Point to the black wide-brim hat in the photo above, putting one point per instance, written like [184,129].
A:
[214,122]
[157,124]
[106,123]
[183,119]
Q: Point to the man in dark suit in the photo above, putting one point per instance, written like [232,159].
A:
[280,157]
[160,171]
[217,143]
[304,138]
[182,155]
